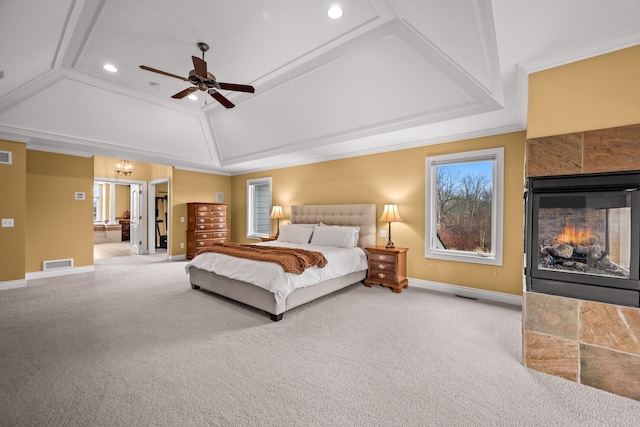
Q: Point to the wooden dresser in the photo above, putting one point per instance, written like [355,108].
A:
[387,267]
[126,227]
[206,224]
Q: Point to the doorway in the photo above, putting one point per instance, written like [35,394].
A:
[159,216]
[119,209]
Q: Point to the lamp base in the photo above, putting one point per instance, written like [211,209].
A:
[390,245]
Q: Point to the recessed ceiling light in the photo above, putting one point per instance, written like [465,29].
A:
[334,12]
[193,97]
[110,68]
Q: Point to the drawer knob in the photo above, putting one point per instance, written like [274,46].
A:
[201,220]
[201,243]
[381,275]
[381,257]
[202,227]
[381,266]
[204,236]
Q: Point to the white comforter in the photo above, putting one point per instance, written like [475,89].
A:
[272,277]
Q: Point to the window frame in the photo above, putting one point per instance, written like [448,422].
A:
[251,185]
[98,202]
[496,156]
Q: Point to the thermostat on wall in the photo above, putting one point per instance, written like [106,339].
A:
[79,195]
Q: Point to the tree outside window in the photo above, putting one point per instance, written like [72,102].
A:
[464,207]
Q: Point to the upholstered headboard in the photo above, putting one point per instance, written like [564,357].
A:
[358,215]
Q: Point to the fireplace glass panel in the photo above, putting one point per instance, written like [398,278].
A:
[585,233]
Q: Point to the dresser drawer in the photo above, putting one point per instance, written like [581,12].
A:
[211,226]
[211,208]
[211,214]
[210,220]
[211,235]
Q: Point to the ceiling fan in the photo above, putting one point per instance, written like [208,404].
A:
[203,80]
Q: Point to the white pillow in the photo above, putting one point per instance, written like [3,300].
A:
[305,225]
[335,235]
[292,233]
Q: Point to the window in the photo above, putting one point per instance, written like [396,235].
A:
[258,207]
[97,201]
[464,206]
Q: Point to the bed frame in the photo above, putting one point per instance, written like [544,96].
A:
[361,215]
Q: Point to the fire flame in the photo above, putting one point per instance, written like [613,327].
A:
[571,235]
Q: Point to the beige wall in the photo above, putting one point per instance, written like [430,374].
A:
[188,187]
[596,93]
[58,226]
[13,204]
[123,200]
[105,167]
[399,177]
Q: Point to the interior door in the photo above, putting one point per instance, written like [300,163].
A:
[136,216]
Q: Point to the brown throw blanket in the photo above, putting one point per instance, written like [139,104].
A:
[292,260]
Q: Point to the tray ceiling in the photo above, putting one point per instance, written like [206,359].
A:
[389,74]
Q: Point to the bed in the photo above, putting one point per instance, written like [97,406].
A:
[208,271]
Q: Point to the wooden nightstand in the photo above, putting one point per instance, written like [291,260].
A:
[268,239]
[387,267]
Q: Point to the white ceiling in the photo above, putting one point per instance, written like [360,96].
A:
[389,74]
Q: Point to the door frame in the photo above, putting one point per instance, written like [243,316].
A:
[151,215]
[143,204]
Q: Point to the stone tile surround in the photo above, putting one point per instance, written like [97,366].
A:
[592,343]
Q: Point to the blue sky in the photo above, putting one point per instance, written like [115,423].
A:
[475,168]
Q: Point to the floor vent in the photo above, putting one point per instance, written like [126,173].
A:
[57,263]
[5,157]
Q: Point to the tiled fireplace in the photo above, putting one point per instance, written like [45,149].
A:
[581,319]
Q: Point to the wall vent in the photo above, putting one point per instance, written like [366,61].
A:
[5,158]
[56,264]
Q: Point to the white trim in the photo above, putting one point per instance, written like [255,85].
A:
[60,272]
[182,257]
[13,284]
[466,292]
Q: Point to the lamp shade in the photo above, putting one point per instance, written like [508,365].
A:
[276,212]
[390,214]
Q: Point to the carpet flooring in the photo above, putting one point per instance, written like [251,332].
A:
[132,344]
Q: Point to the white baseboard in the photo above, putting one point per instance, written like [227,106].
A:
[13,284]
[467,292]
[182,257]
[60,272]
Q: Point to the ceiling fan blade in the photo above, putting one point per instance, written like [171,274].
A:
[221,99]
[200,66]
[153,70]
[236,87]
[184,93]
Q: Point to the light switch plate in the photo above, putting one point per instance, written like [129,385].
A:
[7,222]
[383,233]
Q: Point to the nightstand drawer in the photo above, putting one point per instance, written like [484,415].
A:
[388,258]
[386,275]
[374,264]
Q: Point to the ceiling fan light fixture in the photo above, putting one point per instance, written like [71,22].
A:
[335,12]
[110,68]
[193,97]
